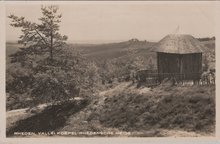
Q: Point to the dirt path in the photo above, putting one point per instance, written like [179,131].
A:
[117,89]
[19,114]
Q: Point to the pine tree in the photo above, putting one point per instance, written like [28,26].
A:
[42,37]
[47,69]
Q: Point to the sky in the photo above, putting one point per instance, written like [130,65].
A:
[97,22]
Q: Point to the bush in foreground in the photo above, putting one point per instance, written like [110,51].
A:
[186,108]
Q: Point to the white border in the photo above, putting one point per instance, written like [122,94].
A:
[2,71]
[165,140]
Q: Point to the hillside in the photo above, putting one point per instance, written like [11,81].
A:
[125,110]
[115,50]
[130,50]
[121,50]
[120,107]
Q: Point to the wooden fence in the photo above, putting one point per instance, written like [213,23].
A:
[152,78]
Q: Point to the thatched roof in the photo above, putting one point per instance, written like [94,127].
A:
[179,44]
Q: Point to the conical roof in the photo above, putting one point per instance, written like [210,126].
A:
[179,44]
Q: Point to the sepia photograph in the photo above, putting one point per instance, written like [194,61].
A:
[110,69]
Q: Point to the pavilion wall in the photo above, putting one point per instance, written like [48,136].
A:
[182,66]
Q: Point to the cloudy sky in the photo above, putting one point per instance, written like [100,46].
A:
[117,21]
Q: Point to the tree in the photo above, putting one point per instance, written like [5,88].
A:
[47,69]
[43,37]
[205,63]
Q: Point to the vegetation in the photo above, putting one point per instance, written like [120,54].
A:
[46,69]
[166,107]
[105,60]
[154,112]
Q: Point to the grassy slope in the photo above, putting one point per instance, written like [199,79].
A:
[189,108]
[162,111]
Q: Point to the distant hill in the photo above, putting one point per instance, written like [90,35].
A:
[122,50]
[134,48]
[114,50]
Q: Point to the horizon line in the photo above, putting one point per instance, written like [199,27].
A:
[105,41]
